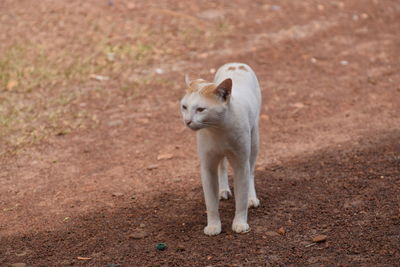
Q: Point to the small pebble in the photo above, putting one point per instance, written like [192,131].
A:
[165,156]
[19,264]
[275,7]
[344,62]
[159,71]
[138,234]
[115,123]
[152,167]
[99,77]
[180,248]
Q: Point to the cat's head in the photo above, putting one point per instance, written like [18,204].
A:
[205,104]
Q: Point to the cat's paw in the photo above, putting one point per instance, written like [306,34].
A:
[213,229]
[254,203]
[240,227]
[225,194]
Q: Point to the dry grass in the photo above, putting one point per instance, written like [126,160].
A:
[46,72]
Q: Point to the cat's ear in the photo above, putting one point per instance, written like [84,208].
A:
[224,89]
[187,80]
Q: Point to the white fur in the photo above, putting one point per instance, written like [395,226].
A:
[227,130]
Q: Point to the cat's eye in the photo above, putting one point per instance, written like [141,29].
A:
[200,109]
[184,107]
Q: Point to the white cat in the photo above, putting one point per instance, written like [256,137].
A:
[225,115]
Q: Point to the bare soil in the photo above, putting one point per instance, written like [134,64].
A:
[329,161]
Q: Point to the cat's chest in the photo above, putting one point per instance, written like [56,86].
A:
[221,143]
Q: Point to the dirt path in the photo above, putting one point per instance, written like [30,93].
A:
[329,162]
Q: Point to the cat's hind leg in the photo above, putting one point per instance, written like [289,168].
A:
[255,140]
[224,191]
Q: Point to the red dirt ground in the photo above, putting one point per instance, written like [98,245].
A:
[329,162]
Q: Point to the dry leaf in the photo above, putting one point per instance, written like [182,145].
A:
[319,238]
[83,258]
[281,231]
[11,84]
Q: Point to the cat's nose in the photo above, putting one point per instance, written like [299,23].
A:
[188,122]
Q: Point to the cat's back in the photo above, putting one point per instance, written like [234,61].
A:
[244,82]
[242,75]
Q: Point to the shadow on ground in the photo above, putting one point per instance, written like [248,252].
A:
[350,193]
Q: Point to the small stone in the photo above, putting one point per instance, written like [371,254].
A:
[117,194]
[281,231]
[313,60]
[110,57]
[159,71]
[99,77]
[344,62]
[202,55]
[143,120]
[19,264]
[165,156]
[115,123]
[131,6]
[212,71]
[180,248]
[298,105]
[275,7]
[152,167]
[211,14]
[313,260]
[21,254]
[138,234]
[161,246]
[319,238]
[142,225]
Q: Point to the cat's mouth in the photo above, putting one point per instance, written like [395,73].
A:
[194,127]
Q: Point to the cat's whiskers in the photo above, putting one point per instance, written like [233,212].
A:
[209,124]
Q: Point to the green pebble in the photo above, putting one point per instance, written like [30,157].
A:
[161,246]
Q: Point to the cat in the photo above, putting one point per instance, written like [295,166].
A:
[225,115]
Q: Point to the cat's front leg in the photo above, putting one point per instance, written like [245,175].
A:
[241,187]
[209,178]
